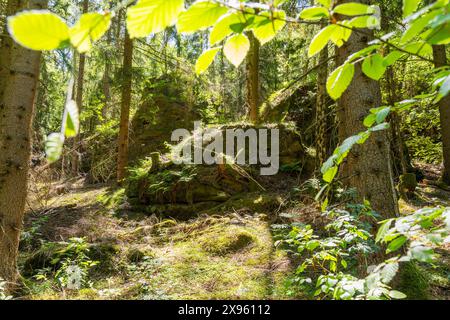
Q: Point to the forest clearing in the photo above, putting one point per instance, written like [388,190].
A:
[224,150]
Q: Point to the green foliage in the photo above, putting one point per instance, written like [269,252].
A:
[421,129]
[321,39]
[53,147]
[90,28]
[73,265]
[266,25]
[330,263]
[353,9]
[49,30]
[236,49]
[202,14]
[314,13]
[410,6]
[205,60]
[152,16]
[340,79]
[374,66]
[72,119]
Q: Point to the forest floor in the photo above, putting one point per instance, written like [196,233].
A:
[227,256]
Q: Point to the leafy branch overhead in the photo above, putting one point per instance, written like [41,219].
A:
[229,23]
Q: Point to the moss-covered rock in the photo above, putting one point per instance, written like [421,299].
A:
[167,105]
[221,243]
[135,255]
[105,254]
[159,186]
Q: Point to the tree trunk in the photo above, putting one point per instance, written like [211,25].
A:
[368,167]
[19,77]
[322,117]
[79,100]
[399,150]
[252,73]
[122,159]
[107,78]
[440,60]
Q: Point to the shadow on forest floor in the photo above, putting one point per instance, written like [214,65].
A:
[228,256]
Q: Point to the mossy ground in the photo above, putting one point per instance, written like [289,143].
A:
[226,253]
[226,256]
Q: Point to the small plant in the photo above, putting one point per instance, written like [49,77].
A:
[73,265]
[28,236]
[330,262]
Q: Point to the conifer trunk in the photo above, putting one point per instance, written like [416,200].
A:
[440,60]
[368,167]
[252,70]
[123,143]
[322,123]
[19,72]
[79,100]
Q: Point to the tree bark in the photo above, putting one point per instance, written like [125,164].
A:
[252,74]
[107,75]
[19,77]
[122,159]
[322,117]
[79,100]
[440,60]
[368,167]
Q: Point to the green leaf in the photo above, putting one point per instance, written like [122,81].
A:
[382,114]
[53,147]
[389,271]
[383,230]
[278,3]
[440,37]
[363,52]
[380,127]
[417,26]
[38,30]
[72,124]
[236,49]
[422,254]
[201,15]
[341,34]
[370,120]
[374,67]
[396,244]
[325,3]
[353,9]
[205,60]
[330,174]
[321,40]
[445,87]
[365,22]
[420,48]
[152,16]
[393,57]
[410,6]
[314,13]
[90,28]
[267,25]
[339,80]
[394,294]
[222,28]
[312,245]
